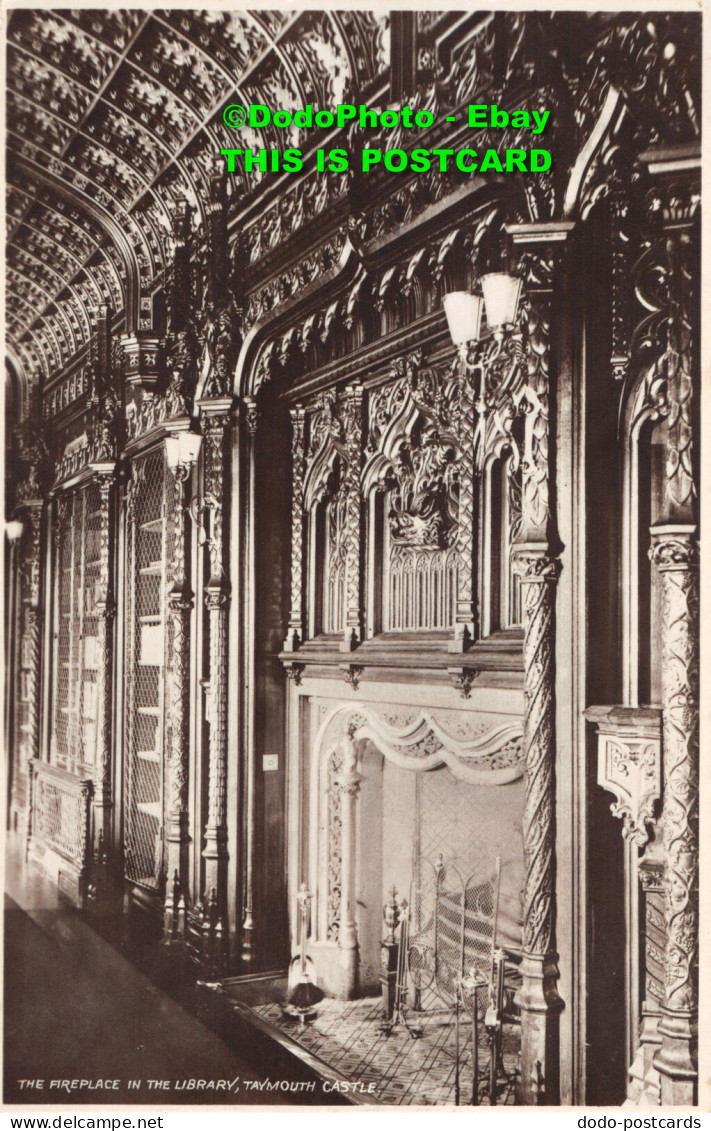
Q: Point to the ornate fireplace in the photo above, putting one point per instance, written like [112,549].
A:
[386,783]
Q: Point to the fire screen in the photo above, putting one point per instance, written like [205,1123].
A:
[454,907]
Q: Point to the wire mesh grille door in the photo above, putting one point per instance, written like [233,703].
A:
[453,893]
[76,629]
[148,650]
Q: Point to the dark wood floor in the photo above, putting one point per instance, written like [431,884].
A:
[76,1009]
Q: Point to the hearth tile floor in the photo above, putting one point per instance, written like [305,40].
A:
[403,1070]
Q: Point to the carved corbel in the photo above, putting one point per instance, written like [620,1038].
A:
[463,680]
[629,765]
[352,674]
[294,671]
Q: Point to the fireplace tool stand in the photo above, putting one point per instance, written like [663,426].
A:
[394,1012]
[305,993]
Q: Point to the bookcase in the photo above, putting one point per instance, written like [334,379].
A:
[76,660]
[148,668]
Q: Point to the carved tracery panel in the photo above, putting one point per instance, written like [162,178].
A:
[411,481]
[331,500]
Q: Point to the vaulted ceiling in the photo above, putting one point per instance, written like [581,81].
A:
[111,115]
[114,115]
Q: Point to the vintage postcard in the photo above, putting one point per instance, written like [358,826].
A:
[352,487]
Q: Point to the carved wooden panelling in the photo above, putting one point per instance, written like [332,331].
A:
[413,462]
[398,468]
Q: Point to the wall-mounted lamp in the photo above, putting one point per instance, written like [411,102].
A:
[13,530]
[501,294]
[463,312]
[182,449]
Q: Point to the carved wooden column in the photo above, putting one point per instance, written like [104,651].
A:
[348,782]
[538,997]
[180,604]
[644,1081]
[105,609]
[216,423]
[353,425]
[538,567]
[465,616]
[248,926]
[31,620]
[295,635]
[674,552]
[629,766]
[31,563]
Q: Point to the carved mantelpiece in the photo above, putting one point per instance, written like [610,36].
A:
[416,658]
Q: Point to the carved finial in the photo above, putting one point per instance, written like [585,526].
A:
[391,915]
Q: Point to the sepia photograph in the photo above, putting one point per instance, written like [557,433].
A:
[351,635]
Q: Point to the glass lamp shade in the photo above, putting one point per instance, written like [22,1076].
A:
[463,316]
[190,443]
[182,449]
[172,451]
[501,295]
[13,530]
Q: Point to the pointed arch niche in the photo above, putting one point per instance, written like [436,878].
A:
[411,488]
